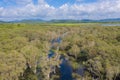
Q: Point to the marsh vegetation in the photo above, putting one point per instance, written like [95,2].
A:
[42,51]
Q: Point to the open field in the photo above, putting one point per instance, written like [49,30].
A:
[90,50]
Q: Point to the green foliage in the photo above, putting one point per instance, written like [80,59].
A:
[30,53]
[12,65]
[28,75]
[91,45]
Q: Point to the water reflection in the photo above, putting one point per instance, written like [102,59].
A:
[65,70]
[110,24]
[80,70]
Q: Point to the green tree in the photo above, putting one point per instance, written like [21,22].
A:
[28,74]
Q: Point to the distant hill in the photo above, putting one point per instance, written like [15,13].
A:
[85,20]
[62,21]
[28,21]
[2,21]
[110,20]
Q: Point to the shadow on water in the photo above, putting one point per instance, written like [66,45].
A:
[65,70]
[65,67]
[58,40]
[51,54]
[81,70]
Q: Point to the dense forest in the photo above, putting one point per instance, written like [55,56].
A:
[40,51]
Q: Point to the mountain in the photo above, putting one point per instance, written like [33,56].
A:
[2,21]
[85,20]
[62,21]
[28,21]
[110,20]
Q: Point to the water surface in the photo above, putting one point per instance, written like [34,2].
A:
[110,24]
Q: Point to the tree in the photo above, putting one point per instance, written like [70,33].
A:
[28,74]
[31,54]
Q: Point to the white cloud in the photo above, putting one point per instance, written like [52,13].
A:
[1,8]
[97,10]
[18,2]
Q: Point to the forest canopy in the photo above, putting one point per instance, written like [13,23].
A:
[95,47]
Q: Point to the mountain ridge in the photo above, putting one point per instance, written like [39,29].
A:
[61,20]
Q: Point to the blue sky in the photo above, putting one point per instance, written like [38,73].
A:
[58,3]
[55,3]
[59,9]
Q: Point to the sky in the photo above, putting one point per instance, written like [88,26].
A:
[59,9]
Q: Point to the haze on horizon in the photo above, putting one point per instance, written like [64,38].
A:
[58,9]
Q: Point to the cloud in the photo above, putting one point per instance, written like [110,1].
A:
[97,10]
[27,11]
[17,2]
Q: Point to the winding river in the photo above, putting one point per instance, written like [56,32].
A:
[65,68]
